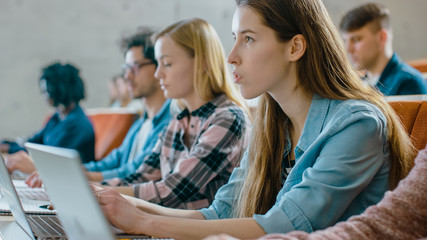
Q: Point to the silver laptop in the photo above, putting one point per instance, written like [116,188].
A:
[35,226]
[76,205]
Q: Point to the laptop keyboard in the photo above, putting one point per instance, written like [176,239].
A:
[43,225]
[33,193]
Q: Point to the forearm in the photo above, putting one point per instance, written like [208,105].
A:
[95,176]
[128,191]
[159,226]
[163,211]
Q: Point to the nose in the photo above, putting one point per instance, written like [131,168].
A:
[128,74]
[158,73]
[233,57]
[350,47]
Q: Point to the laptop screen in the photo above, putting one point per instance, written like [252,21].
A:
[9,193]
[77,208]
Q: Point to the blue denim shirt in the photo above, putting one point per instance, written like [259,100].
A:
[117,163]
[342,167]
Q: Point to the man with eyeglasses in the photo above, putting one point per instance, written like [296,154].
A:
[139,69]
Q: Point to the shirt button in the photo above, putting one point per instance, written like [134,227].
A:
[192,126]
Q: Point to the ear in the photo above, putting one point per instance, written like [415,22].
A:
[384,35]
[297,47]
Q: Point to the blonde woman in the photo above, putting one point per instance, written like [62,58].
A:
[324,146]
[200,147]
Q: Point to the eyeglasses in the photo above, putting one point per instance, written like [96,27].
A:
[136,66]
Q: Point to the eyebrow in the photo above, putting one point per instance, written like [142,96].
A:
[163,56]
[245,31]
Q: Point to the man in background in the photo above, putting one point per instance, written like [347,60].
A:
[139,69]
[367,34]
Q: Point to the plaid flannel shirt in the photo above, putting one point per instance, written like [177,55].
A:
[181,177]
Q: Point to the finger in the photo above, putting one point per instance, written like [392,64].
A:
[95,187]
[36,183]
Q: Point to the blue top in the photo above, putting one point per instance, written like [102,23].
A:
[398,78]
[117,163]
[342,167]
[75,132]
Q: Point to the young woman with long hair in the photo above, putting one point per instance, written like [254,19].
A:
[200,147]
[324,146]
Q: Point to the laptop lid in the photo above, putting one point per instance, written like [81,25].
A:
[65,182]
[9,193]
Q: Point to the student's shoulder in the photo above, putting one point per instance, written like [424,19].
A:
[408,73]
[356,109]
[229,109]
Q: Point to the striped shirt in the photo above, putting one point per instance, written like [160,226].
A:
[178,176]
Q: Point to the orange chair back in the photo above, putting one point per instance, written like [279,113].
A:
[419,64]
[413,115]
[110,130]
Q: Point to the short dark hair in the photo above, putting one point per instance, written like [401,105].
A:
[374,13]
[64,84]
[142,38]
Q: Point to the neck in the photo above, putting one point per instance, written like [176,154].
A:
[194,102]
[381,63]
[153,103]
[295,103]
[64,111]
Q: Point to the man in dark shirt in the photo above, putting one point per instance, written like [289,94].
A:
[367,34]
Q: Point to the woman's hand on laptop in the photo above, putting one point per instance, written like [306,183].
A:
[20,161]
[120,212]
[33,180]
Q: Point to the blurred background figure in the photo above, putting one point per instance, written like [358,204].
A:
[68,127]
[113,92]
[139,68]
[367,34]
[121,95]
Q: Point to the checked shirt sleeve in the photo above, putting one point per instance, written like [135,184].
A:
[194,177]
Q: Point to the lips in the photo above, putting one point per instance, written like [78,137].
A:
[237,77]
[163,86]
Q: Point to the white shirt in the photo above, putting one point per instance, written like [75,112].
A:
[140,138]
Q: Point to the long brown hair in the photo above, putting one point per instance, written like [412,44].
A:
[323,70]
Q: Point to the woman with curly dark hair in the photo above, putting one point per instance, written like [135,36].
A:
[68,127]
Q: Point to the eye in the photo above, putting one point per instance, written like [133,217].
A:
[357,39]
[248,39]
[167,64]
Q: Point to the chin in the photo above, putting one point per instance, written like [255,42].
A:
[167,94]
[248,94]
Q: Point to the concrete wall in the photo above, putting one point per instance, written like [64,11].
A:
[87,33]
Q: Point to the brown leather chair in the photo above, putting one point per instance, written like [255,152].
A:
[413,114]
[110,129]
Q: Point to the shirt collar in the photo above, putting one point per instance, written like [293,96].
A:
[394,61]
[314,123]
[206,110]
[161,113]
